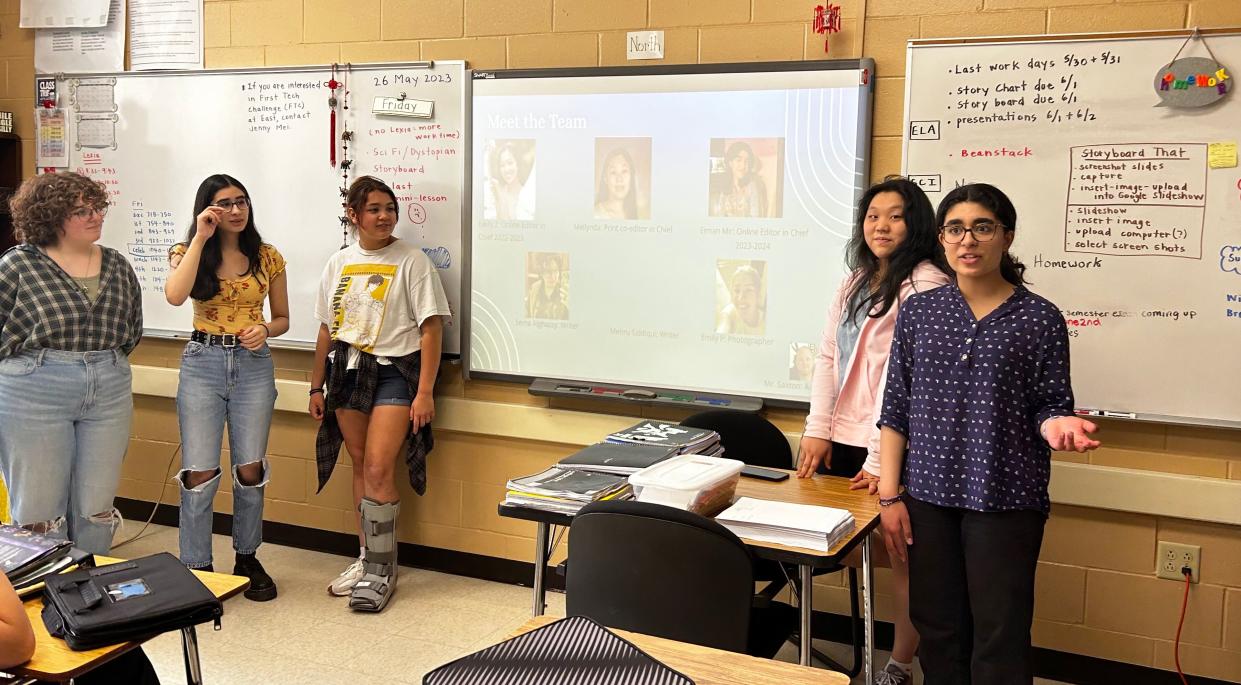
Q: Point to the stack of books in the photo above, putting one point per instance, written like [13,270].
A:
[684,439]
[785,523]
[27,558]
[565,491]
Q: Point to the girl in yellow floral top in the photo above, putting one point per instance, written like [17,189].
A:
[226,371]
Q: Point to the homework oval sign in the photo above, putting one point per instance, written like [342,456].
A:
[1192,82]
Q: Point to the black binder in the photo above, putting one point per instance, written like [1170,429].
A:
[572,650]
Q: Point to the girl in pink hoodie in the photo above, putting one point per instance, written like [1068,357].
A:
[894,253]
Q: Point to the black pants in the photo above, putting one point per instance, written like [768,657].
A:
[971,593]
[847,460]
[132,668]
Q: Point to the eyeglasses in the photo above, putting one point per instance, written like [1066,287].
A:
[983,231]
[85,212]
[227,205]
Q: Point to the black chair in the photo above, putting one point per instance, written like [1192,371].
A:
[670,573]
[752,439]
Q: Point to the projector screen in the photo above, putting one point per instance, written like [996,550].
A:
[670,227]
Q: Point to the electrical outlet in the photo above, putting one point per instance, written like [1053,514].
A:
[1173,557]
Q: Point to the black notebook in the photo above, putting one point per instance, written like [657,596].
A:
[22,550]
[572,650]
[610,457]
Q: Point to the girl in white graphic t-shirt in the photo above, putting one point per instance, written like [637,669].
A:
[382,308]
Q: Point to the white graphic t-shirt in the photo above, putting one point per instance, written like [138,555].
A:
[376,300]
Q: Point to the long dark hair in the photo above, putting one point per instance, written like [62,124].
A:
[206,283]
[921,244]
[998,203]
[630,202]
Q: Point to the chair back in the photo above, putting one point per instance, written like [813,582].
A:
[660,571]
[746,437]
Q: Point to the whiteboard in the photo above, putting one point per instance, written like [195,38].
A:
[1122,222]
[152,137]
[706,282]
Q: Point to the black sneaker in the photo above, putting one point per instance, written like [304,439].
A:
[262,587]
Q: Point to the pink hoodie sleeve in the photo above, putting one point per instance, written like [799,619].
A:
[824,384]
[925,277]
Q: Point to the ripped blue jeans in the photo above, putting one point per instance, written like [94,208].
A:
[219,386]
[64,429]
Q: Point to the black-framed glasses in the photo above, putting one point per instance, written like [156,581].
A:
[85,212]
[983,231]
[227,205]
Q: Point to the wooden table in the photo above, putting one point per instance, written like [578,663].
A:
[709,666]
[828,491]
[53,660]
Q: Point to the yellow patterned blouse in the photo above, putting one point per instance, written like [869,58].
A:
[240,301]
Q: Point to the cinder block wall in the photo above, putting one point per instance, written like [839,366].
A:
[1097,592]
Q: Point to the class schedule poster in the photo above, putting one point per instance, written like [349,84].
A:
[681,230]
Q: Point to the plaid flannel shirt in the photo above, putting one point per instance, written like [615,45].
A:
[41,307]
[329,439]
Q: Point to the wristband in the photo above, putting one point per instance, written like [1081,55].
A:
[889,501]
[314,391]
[265,328]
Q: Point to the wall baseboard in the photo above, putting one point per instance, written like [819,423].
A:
[1051,664]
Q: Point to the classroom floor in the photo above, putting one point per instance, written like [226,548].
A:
[305,635]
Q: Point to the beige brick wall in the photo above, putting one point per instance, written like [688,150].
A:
[1096,592]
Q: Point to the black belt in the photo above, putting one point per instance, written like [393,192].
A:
[225,340]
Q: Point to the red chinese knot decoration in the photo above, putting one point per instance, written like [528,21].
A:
[826,22]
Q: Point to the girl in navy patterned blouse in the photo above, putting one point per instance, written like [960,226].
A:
[978,391]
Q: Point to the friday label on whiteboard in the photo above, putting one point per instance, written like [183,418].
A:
[421,109]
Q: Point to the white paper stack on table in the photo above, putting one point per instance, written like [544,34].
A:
[785,523]
[566,490]
[685,439]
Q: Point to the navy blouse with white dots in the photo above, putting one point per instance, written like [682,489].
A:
[971,395]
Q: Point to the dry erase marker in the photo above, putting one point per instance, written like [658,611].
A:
[574,388]
[1120,414]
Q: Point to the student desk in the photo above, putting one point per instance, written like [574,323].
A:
[708,666]
[53,660]
[829,491]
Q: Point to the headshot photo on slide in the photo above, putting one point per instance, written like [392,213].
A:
[747,178]
[508,179]
[623,178]
[547,285]
[801,362]
[741,296]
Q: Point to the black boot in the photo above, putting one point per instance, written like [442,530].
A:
[262,587]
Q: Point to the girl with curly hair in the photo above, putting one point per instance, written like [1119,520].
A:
[70,314]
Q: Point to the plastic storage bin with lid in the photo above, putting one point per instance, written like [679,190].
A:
[703,485]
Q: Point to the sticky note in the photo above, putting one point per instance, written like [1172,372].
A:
[1222,155]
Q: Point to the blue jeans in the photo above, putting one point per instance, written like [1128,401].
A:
[64,429]
[221,385]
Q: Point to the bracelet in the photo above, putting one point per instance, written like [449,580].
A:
[266,329]
[313,391]
[889,501]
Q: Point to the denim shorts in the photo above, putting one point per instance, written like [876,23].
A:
[390,388]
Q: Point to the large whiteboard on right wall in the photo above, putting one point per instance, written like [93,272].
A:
[1123,223]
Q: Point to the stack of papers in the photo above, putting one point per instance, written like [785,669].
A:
[684,439]
[612,457]
[785,523]
[566,490]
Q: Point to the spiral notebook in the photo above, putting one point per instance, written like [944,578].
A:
[572,650]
